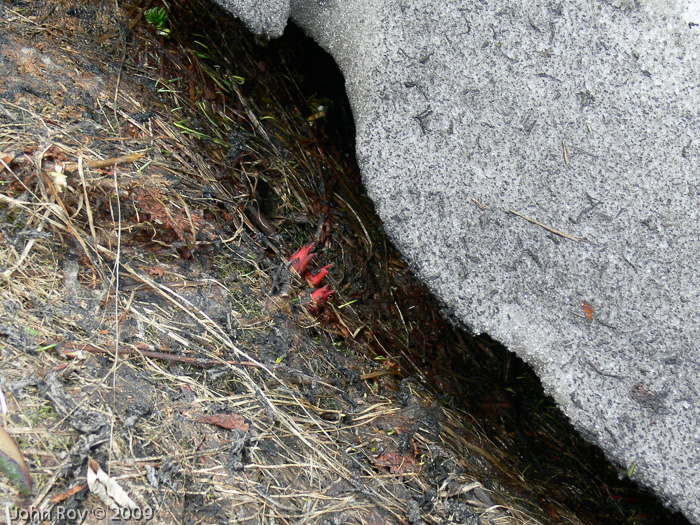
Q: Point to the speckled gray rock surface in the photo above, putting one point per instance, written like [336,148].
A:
[263,17]
[530,159]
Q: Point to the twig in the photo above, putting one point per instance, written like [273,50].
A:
[165,356]
[106,163]
[71,167]
[253,118]
[548,228]
[88,208]
[379,373]
[93,349]
[479,204]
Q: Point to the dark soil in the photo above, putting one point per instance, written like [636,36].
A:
[152,190]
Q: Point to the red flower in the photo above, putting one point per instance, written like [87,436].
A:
[321,295]
[302,258]
[315,280]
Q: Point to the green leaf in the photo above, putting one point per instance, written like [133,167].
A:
[158,18]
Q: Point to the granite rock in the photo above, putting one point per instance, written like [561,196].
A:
[267,18]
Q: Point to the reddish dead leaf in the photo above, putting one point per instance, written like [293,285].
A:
[228,421]
[185,222]
[72,351]
[641,393]
[56,154]
[7,158]
[67,494]
[588,310]
[397,463]
[156,271]
[150,203]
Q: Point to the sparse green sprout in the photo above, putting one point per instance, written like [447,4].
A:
[158,18]
[522,474]
[202,54]
[349,303]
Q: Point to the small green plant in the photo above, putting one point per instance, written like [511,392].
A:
[158,18]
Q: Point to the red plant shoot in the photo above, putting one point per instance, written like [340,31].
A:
[315,280]
[321,295]
[302,257]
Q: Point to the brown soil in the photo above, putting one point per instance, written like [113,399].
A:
[152,189]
